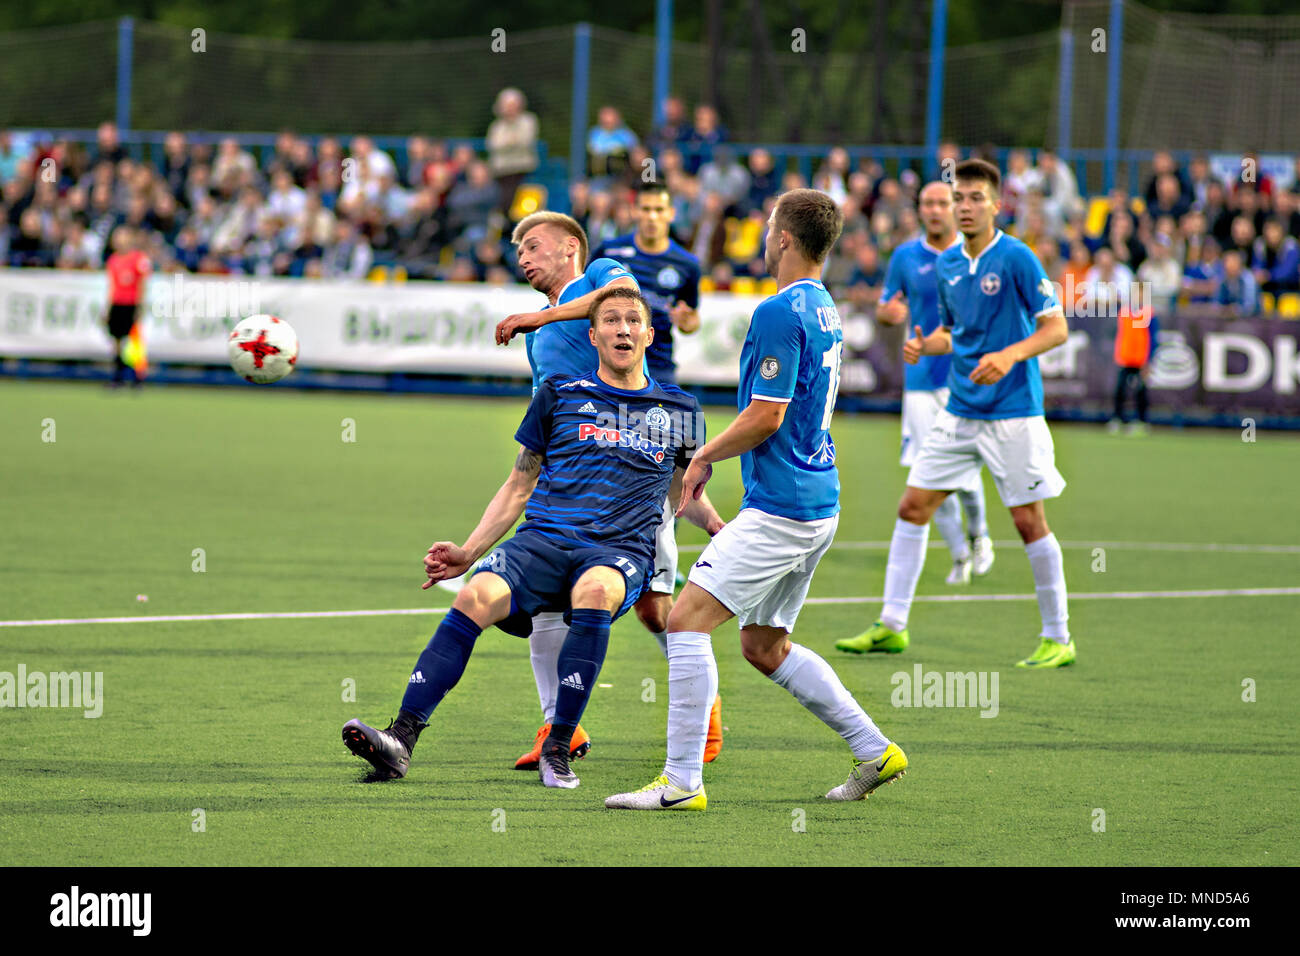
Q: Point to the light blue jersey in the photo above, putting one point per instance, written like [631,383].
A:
[564,347]
[991,302]
[792,354]
[912,272]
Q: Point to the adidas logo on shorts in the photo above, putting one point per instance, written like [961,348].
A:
[417,678]
[588,408]
[574,680]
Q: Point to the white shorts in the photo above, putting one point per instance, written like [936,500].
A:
[759,566]
[919,410]
[1017,451]
[664,578]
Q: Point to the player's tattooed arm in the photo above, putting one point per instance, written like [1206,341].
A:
[507,504]
[529,462]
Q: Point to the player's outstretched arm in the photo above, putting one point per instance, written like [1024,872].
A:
[578,308]
[756,424]
[446,560]
[699,511]
[1052,331]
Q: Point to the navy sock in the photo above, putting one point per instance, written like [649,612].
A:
[580,659]
[441,664]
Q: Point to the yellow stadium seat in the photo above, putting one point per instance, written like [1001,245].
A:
[744,285]
[529,198]
[1098,207]
[378,274]
[742,239]
[399,274]
[1267,302]
[706,284]
[1288,306]
[767,286]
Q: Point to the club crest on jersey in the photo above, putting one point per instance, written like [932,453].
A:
[769,368]
[623,437]
[990,284]
[657,419]
[669,277]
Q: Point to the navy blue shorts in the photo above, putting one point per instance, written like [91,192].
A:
[541,573]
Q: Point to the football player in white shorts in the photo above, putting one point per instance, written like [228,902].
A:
[758,567]
[911,290]
[998,312]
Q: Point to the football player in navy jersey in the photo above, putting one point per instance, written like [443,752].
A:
[599,452]
[667,274]
[669,278]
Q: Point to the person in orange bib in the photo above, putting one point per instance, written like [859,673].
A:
[1135,339]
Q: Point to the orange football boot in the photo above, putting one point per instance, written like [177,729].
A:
[713,744]
[578,747]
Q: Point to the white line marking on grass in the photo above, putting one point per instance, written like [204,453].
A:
[1078,545]
[1073,596]
[250,616]
[930,598]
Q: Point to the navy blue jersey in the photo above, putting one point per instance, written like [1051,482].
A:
[990,302]
[664,278]
[609,457]
[792,354]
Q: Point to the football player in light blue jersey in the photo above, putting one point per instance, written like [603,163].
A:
[552,252]
[998,312]
[759,566]
[911,291]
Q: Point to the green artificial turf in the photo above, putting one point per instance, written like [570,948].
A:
[241,718]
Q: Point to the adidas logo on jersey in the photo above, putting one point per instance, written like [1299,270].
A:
[588,409]
[574,680]
[417,678]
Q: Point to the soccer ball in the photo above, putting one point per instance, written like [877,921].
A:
[263,349]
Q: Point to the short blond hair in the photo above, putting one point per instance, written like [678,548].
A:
[566,224]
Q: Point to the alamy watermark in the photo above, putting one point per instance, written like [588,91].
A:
[77,689]
[923,688]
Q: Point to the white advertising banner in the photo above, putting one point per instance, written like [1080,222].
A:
[342,325]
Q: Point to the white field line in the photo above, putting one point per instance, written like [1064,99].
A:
[931,599]
[1079,545]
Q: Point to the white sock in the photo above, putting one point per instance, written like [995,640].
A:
[1049,582]
[906,559]
[972,502]
[692,685]
[662,638]
[549,632]
[947,518]
[812,682]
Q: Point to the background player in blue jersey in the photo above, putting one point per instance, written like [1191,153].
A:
[758,568]
[911,292]
[669,278]
[998,312]
[598,453]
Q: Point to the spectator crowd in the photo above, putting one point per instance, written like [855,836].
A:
[434,210]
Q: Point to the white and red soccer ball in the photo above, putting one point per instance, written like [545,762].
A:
[263,349]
